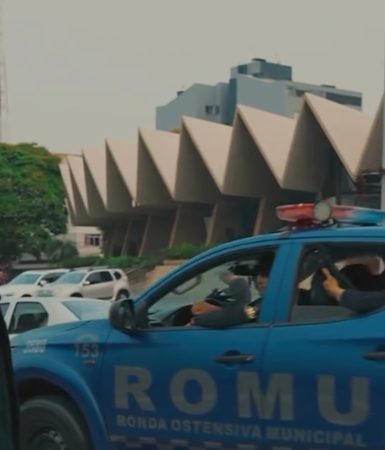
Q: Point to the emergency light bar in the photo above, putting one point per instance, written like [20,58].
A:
[313,214]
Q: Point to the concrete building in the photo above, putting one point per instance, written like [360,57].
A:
[259,84]
[214,183]
[88,240]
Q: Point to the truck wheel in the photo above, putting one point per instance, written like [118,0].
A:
[52,423]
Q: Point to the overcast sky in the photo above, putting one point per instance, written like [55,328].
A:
[80,71]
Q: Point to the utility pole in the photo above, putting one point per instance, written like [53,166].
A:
[3,84]
[383,154]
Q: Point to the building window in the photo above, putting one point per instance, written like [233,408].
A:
[209,109]
[92,240]
[212,110]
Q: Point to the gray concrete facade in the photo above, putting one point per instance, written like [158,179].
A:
[260,84]
[200,100]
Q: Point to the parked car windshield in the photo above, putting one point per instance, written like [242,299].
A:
[71,278]
[4,308]
[25,278]
[88,310]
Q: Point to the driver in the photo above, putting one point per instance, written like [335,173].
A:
[237,313]
[236,292]
[357,300]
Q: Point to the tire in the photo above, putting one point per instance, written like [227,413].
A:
[122,295]
[52,423]
[76,295]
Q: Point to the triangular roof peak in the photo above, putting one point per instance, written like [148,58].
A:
[212,141]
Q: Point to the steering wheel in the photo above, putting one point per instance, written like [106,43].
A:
[318,295]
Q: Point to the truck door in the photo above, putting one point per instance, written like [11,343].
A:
[333,361]
[177,385]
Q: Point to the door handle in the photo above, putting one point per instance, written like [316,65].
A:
[234,359]
[375,356]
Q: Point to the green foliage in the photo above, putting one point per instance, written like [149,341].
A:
[112,261]
[182,251]
[79,261]
[185,250]
[58,249]
[32,207]
[127,261]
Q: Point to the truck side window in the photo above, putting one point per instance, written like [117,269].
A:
[27,316]
[94,278]
[230,283]
[357,266]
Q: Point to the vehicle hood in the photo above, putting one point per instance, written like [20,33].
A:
[47,333]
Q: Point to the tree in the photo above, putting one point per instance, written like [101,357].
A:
[60,249]
[32,207]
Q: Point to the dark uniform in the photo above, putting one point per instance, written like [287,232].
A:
[237,293]
[9,415]
[362,301]
[243,310]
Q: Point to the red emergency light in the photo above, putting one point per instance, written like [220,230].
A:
[302,215]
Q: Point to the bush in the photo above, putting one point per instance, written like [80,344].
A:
[79,261]
[185,250]
[125,261]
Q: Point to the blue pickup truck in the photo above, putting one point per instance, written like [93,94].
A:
[303,372]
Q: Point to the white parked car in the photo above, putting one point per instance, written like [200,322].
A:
[24,314]
[111,284]
[26,283]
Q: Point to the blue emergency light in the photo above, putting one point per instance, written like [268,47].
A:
[321,213]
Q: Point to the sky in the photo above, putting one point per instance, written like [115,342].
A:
[81,71]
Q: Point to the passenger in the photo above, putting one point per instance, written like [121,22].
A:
[357,300]
[360,276]
[238,313]
[366,272]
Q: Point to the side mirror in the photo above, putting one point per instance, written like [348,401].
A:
[86,283]
[122,315]
[43,283]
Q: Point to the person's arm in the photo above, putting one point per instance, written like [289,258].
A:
[331,286]
[228,316]
[362,301]
[203,307]
[358,301]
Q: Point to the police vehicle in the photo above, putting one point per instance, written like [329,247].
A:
[301,372]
